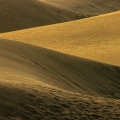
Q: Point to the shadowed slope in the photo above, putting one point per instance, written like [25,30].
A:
[23,14]
[60,70]
[96,38]
[32,80]
[86,6]
[37,101]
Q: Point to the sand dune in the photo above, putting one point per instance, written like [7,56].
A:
[46,72]
[36,101]
[21,14]
[60,70]
[86,6]
[35,84]
[95,38]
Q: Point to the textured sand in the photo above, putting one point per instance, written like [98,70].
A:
[21,14]
[60,70]
[35,84]
[36,101]
[86,6]
[44,73]
[96,38]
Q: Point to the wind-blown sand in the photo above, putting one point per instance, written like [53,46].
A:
[35,84]
[96,38]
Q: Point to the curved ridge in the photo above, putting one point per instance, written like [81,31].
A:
[59,70]
[95,38]
[36,84]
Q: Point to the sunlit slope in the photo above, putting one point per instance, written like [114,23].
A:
[86,6]
[19,60]
[20,14]
[96,38]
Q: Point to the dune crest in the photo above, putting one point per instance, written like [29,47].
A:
[22,14]
[65,71]
[86,6]
[37,83]
[60,70]
[95,38]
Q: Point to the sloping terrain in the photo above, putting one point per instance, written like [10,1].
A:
[46,72]
[21,14]
[35,84]
[36,101]
[60,70]
[96,38]
[86,6]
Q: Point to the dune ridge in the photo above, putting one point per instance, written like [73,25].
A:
[35,84]
[41,102]
[95,38]
[60,70]
[21,14]
[86,6]
[66,71]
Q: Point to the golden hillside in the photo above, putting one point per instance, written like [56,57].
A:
[65,71]
[59,70]
[21,14]
[35,84]
[95,38]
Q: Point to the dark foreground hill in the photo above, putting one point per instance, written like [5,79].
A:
[36,84]
[59,70]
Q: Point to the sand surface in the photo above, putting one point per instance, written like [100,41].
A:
[21,14]
[86,6]
[65,71]
[37,83]
[96,38]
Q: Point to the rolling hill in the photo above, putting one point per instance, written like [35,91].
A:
[65,71]
[86,6]
[40,84]
[95,38]
[60,70]
[21,14]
